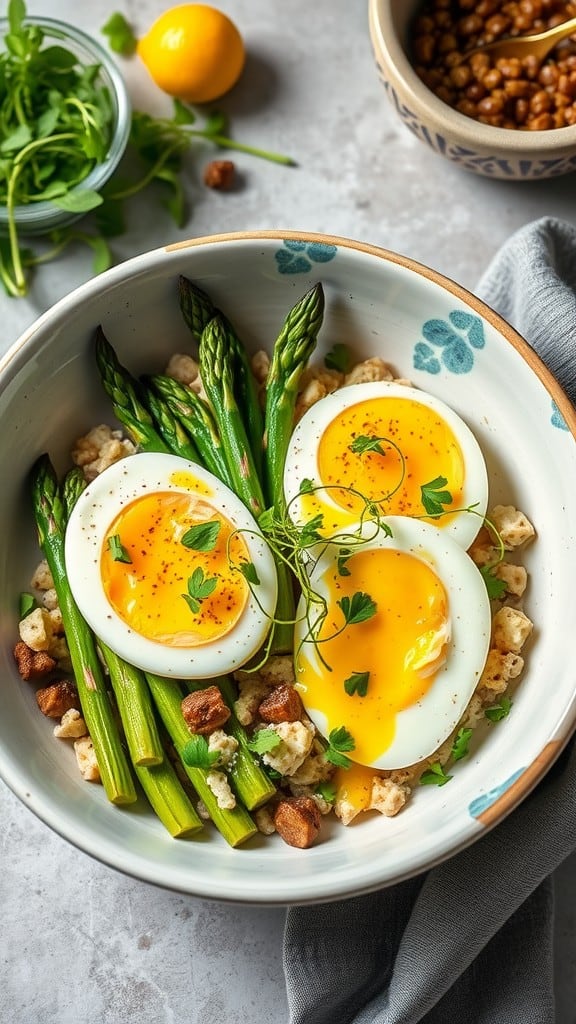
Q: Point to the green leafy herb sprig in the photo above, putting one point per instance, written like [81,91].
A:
[56,124]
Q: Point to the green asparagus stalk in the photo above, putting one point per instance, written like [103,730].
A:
[291,353]
[217,376]
[97,711]
[135,709]
[122,389]
[250,781]
[74,484]
[168,799]
[171,428]
[236,825]
[196,418]
[198,309]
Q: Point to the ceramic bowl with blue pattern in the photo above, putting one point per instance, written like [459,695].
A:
[430,331]
[492,152]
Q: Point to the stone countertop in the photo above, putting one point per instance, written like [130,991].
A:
[79,941]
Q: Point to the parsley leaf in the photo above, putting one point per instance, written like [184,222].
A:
[121,38]
[327,790]
[199,588]
[434,776]
[339,741]
[357,683]
[367,443]
[461,744]
[434,498]
[358,608]
[248,570]
[499,711]
[494,585]
[202,536]
[27,604]
[306,486]
[343,556]
[264,740]
[338,358]
[197,754]
[309,532]
[117,550]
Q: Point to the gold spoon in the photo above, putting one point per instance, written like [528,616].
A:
[538,45]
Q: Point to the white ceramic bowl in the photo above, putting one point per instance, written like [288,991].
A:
[381,303]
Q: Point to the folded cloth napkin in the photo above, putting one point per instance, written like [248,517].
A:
[471,940]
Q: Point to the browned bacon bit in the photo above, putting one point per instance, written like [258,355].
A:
[56,699]
[283,704]
[32,664]
[205,710]
[297,820]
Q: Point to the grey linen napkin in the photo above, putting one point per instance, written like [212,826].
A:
[472,940]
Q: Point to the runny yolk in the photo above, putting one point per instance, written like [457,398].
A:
[409,445]
[401,646]
[148,592]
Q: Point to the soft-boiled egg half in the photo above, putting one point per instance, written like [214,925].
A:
[158,555]
[388,444]
[401,647]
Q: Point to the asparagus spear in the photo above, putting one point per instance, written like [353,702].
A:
[122,389]
[171,428]
[135,709]
[96,708]
[168,799]
[236,826]
[198,309]
[74,484]
[292,350]
[196,418]
[217,377]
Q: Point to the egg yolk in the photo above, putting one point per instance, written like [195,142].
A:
[169,580]
[385,448]
[394,654]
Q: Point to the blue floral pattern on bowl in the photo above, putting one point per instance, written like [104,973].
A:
[481,803]
[490,166]
[298,257]
[449,343]
[557,419]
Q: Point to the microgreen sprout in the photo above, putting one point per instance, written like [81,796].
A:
[200,587]
[499,711]
[117,550]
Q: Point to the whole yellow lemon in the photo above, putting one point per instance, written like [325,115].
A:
[193,52]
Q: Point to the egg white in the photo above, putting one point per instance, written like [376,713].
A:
[97,507]
[422,727]
[302,457]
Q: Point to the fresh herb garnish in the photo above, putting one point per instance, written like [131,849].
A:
[197,754]
[248,570]
[339,741]
[343,556]
[495,586]
[117,550]
[26,604]
[120,35]
[306,486]
[202,536]
[339,358]
[264,740]
[199,588]
[357,683]
[461,744]
[367,443]
[358,608]
[327,790]
[434,776]
[56,122]
[434,498]
[499,711]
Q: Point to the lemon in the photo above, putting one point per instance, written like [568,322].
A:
[193,52]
